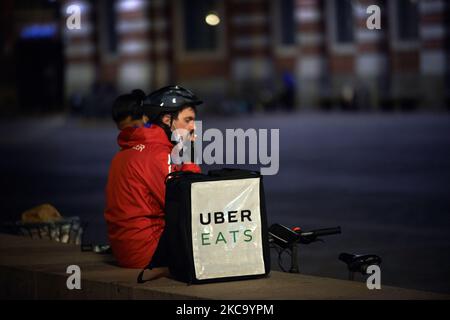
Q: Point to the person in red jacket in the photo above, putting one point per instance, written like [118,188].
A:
[135,190]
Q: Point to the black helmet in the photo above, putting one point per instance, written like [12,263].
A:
[169,99]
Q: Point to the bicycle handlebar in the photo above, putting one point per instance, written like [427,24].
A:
[321,232]
[308,237]
[286,237]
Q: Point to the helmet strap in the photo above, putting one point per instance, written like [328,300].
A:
[168,129]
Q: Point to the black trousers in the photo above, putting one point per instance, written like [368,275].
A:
[161,256]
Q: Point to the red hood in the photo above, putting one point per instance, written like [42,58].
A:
[132,136]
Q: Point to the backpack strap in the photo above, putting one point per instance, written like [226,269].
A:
[231,172]
[141,276]
[160,257]
[178,174]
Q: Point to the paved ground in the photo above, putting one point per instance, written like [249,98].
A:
[385,179]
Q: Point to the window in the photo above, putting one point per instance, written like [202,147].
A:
[344,21]
[199,36]
[288,28]
[407,20]
[111,26]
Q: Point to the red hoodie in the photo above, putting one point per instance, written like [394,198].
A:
[135,194]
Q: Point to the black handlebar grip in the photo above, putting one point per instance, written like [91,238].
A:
[324,232]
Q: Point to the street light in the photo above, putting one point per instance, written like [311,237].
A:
[212,19]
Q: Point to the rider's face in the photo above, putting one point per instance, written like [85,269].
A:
[185,120]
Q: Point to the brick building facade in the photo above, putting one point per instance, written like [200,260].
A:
[322,48]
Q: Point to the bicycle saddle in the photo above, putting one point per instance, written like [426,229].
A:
[359,263]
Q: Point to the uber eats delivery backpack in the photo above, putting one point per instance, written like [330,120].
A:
[216,226]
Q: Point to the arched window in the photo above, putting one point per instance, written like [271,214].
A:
[287,19]
[199,35]
[344,23]
[407,20]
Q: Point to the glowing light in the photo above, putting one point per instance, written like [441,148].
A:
[37,31]
[131,5]
[212,19]
[82,6]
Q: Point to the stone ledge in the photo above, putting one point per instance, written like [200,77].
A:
[36,269]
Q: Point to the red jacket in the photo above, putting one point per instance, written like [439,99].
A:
[135,194]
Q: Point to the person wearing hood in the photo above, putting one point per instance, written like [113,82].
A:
[135,191]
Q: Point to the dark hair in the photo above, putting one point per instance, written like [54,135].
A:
[158,118]
[128,105]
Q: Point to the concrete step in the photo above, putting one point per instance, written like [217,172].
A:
[36,269]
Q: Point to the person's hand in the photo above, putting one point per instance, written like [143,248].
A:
[192,136]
